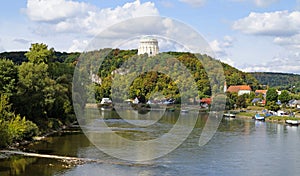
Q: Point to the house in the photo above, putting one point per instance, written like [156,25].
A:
[258,101]
[294,103]
[240,89]
[263,92]
[205,102]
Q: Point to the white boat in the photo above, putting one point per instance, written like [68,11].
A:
[184,111]
[292,122]
[259,117]
[229,115]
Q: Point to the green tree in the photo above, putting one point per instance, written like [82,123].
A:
[272,106]
[33,79]
[284,97]
[39,53]
[12,126]
[44,90]
[8,76]
[231,100]
[241,101]
[272,95]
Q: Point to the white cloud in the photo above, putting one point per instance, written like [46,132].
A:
[194,2]
[228,61]
[167,31]
[72,16]
[290,64]
[284,27]
[279,23]
[78,45]
[55,10]
[220,46]
[292,42]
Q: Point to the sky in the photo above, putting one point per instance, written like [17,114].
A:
[251,35]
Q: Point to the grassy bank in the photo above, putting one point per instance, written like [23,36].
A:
[279,119]
[247,115]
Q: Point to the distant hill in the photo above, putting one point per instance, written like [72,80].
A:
[276,79]
[18,56]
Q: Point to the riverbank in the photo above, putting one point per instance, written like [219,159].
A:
[275,119]
[24,143]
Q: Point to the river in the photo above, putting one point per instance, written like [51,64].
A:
[239,147]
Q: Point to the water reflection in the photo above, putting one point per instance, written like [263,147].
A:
[239,147]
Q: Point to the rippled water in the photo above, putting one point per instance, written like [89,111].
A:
[240,147]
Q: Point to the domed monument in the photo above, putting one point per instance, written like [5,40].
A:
[148,45]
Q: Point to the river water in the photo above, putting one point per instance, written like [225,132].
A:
[239,147]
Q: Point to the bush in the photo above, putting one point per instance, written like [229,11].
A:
[16,129]
[31,130]
[4,136]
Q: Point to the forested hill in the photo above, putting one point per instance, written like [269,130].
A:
[146,83]
[276,79]
[19,56]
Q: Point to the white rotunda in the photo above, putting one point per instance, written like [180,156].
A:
[148,45]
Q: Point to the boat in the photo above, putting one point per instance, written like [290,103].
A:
[292,122]
[184,111]
[229,115]
[259,117]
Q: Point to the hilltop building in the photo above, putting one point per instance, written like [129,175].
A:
[240,89]
[148,45]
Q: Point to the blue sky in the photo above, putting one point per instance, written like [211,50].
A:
[252,35]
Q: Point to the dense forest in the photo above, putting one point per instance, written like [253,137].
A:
[146,83]
[285,81]
[36,85]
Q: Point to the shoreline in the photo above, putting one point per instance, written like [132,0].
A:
[21,145]
[274,119]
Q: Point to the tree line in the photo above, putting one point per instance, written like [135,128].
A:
[35,93]
[36,86]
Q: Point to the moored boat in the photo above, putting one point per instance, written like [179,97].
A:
[259,117]
[184,111]
[229,115]
[292,122]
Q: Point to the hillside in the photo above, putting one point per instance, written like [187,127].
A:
[146,83]
[277,79]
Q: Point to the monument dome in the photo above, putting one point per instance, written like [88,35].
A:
[148,45]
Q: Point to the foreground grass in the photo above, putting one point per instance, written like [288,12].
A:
[245,114]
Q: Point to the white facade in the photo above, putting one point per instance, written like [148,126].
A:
[241,92]
[149,46]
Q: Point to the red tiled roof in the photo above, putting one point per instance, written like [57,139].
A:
[261,91]
[238,88]
[206,100]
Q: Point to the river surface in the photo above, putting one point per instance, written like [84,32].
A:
[239,147]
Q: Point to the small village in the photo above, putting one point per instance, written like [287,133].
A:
[269,104]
